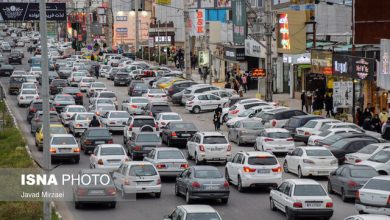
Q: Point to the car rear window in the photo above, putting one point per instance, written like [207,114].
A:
[139,86]
[380,157]
[84,116]
[318,153]
[368,149]
[183,126]
[207,174]
[171,117]
[140,100]
[260,160]
[70,90]
[215,140]
[64,98]
[58,130]
[309,190]
[170,154]
[324,133]
[77,109]
[99,133]
[253,125]
[59,82]
[363,173]
[267,117]
[278,135]
[112,151]
[161,108]
[138,122]
[119,115]
[377,184]
[63,141]
[148,138]
[203,216]
[107,95]
[142,170]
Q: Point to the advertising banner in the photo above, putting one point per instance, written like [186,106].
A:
[239,21]
[224,3]
[207,3]
[353,67]
[342,94]
[321,62]
[204,58]
[30,12]
[383,74]
[197,22]
[291,32]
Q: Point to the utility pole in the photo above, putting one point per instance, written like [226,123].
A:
[88,20]
[136,26]
[45,104]
[268,34]
[187,48]
[210,73]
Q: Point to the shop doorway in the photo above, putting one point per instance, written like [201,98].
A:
[315,81]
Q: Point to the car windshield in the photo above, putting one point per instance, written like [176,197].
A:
[381,157]
[105,101]
[63,141]
[99,133]
[377,184]
[119,115]
[309,190]
[170,154]
[111,151]
[253,125]
[122,75]
[369,149]
[29,92]
[58,130]
[18,79]
[76,109]
[319,153]
[171,117]
[64,98]
[107,95]
[156,91]
[107,108]
[215,140]
[29,86]
[98,85]
[183,126]
[88,80]
[83,117]
[148,138]
[207,174]
[340,144]
[142,170]
[262,160]
[363,173]
[245,113]
[79,74]
[279,135]
[202,216]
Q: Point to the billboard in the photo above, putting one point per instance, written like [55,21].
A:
[291,32]
[383,74]
[207,3]
[239,21]
[353,67]
[321,62]
[224,3]
[30,12]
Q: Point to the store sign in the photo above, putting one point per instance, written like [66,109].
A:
[162,39]
[353,67]
[234,54]
[291,32]
[259,72]
[121,30]
[163,2]
[30,11]
[252,48]
[321,62]
[239,21]
[200,19]
[284,33]
[121,18]
[383,76]
[203,58]
[297,58]
[151,42]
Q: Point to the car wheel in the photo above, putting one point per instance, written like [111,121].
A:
[285,167]
[289,215]
[227,177]
[177,193]
[77,205]
[196,109]
[330,190]
[112,205]
[157,195]
[239,185]
[343,197]
[272,204]
[188,197]
[224,200]
[300,173]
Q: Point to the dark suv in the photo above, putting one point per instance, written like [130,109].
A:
[15,83]
[137,88]
[122,78]
[56,86]
[14,58]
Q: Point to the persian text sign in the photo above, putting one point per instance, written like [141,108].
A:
[30,11]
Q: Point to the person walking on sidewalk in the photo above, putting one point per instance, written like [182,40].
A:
[244,80]
[329,105]
[303,99]
[97,67]
[308,102]
[383,116]
[217,121]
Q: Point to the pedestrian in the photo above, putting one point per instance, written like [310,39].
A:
[218,109]
[385,126]
[367,114]
[227,76]
[303,99]
[200,72]
[217,121]
[97,67]
[236,85]
[309,102]
[244,80]
[94,122]
[329,105]
[359,117]
[383,116]
[376,124]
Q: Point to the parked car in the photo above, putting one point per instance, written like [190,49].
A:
[115,120]
[189,212]
[247,114]
[312,127]
[253,169]
[155,95]
[301,198]
[315,139]
[312,161]
[352,126]
[132,174]
[379,161]
[137,88]
[140,144]
[245,131]
[107,157]
[178,133]
[80,122]
[168,161]
[242,105]
[333,139]
[134,105]
[204,102]
[367,217]
[179,86]
[54,129]
[208,146]
[373,197]
[94,136]
[64,147]
[277,118]
[351,145]
[196,89]
[202,182]
[276,140]
[348,179]
[122,78]
[365,153]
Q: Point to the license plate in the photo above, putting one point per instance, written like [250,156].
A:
[148,148]
[216,149]
[279,148]
[262,171]
[316,205]
[142,183]
[211,187]
[96,192]
[100,142]
[64,150]
[186,135]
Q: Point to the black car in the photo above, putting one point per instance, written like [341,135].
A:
[75,92]
[122,78]
[14,58]
[36,105]
[19,51]
[94,136]
[298,121]
[154,108]
[140,144]
[178,132]
[6,69]
[179,86]
[350,145]
[137,88]
[334,138]
[176,98]
[15,83]
[56,86]
[52,75]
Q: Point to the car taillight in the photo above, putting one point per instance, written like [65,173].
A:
[226,184]
[352,183]
[100,162]
[137,148]
[273,123]
[156,126]
[184,166]
[78,125]
[289,139]
[308,161]
[268,139]
[277,169]
[81,191]
[229,147]
[329,205]
[52,109]
[110,142]
[111,191]
[297,204]
[201,148]
[358,160]
[307,133]
[357,197]
[173,134]
[134,106]
[388,200]
[195,185]
[53,150]
[161,166]
[87,142]
[150,114]
[33,109]
[76,150]
[234,112]
[316,141]
[131,127]
[79,95]
[249,170]
[158,182]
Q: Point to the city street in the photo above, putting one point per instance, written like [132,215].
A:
[251,205]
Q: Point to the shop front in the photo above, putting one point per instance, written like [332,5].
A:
[383,75]
[295,70]
[228,59]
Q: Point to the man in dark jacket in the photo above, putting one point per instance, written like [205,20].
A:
[97,68]
[94,122]
[303,99]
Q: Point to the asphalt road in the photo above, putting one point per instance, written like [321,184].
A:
[251,205]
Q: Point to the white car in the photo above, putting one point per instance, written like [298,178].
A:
[243,105]
[100,101]
[312,127]
[134,105]
[301,198]
[26,96]
[108,157]
[196,89]
[156,95]
[104,95]
[168,161]
[224,93]
[379,161]
[249,113]
[115,120]
[365,153]
[353,126]
[188,212]
[75,78]
[20,44]
[31,78]
[135,177]
[80,122]
[208,146]
[135,123]
[162,119]
[368,217]
[68,112]
[276,140]
[315,139]
[85,83]
[64,147]
[373,197]
[29,85]
[95,87]
[204,102]
[104,69]
[310,161]
[253,169]
[102,109]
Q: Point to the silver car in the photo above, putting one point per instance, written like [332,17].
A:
[115,120]
[80,122]
[245,131]
[69,111]
[85,83]
[168,161]
[102,109]
[75,78]
[134,105]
